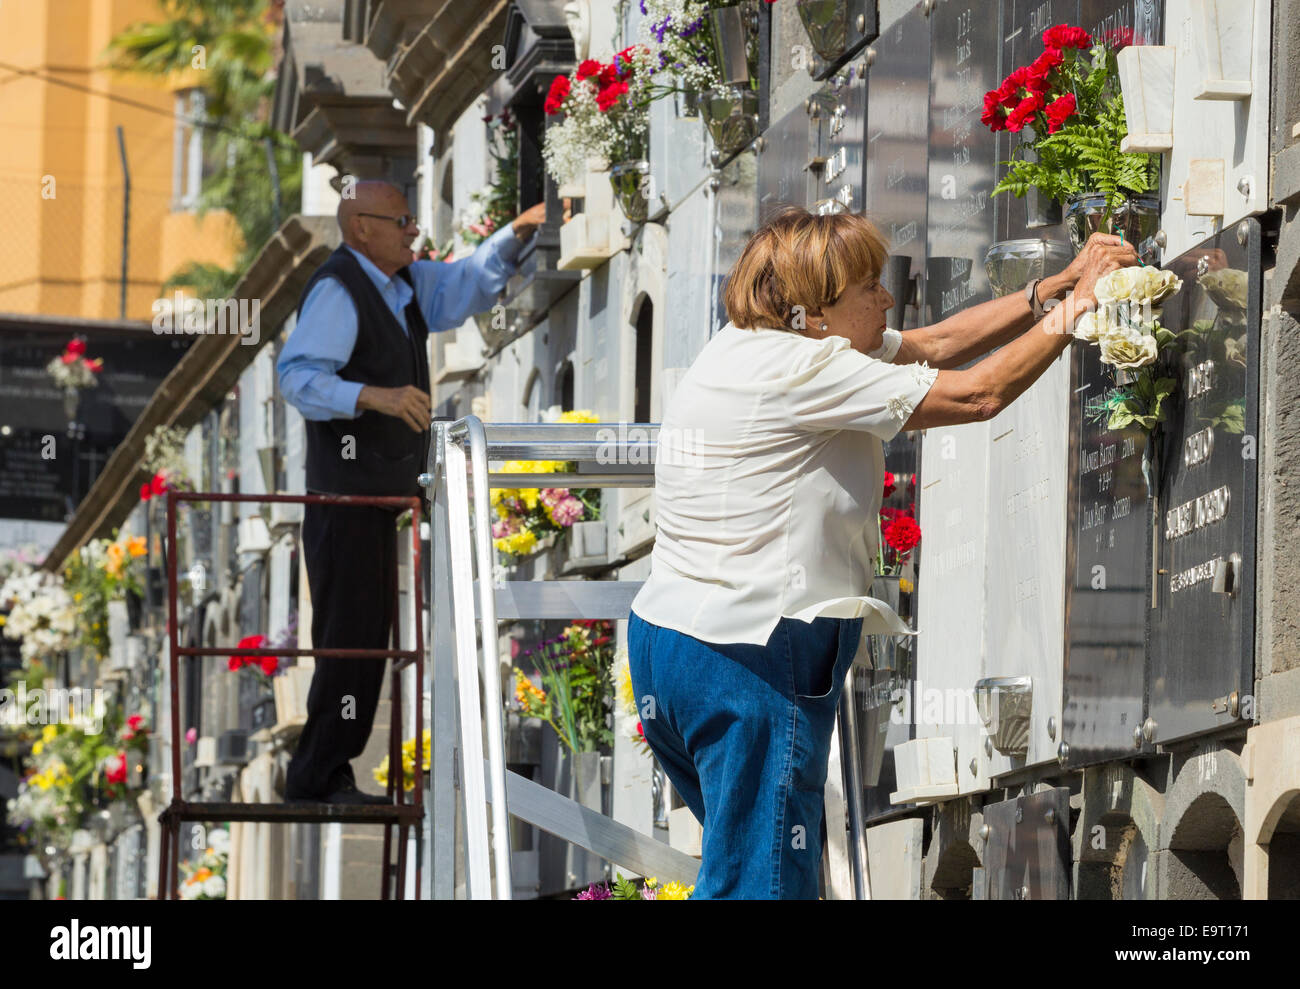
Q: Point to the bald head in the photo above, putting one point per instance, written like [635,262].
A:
[367,222]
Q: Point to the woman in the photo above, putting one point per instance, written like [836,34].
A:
[768,482]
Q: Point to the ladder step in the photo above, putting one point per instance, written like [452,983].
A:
[590,599]
[570,821]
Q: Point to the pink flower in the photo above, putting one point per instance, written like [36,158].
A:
[552,496]
[500,529]
[191,736]
[567,511]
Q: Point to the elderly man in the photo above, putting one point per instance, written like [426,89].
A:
[356,368]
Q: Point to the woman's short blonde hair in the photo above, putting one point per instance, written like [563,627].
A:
[799,262]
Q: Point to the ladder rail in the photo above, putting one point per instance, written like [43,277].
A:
[478,868]
[477,440]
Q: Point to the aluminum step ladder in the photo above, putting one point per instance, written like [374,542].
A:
[466,603]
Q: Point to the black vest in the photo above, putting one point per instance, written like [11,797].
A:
[373,454]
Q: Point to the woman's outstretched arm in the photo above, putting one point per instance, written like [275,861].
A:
[975,331]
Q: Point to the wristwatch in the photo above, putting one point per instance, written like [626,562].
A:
[1031,296]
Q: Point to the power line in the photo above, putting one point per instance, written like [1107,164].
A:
[136,104]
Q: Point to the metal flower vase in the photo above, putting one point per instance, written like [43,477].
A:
[731,115]
[1012,264]
[826,23]
[734,33]
[630,189]
[1136,217]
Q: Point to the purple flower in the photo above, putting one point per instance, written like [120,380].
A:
[594,892]
[692,28]
[661,29]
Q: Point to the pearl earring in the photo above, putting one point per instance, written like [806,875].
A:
[824,327]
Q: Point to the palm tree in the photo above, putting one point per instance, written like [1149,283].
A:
[232,42]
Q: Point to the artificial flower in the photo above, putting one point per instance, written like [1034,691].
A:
[902,534]
[890,483]
[1058,111]
[136,546]
[1065,36]
[1127,349]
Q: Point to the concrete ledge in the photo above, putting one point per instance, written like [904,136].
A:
[1200,847]
[1271,763]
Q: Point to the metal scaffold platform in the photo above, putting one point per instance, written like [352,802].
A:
[405,817]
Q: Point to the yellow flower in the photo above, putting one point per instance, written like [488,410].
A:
[3,619]
[49,733]
[38,748]
[135,546]
[674,891]
[626,694]
[905,585]
[580,415]
[529,496]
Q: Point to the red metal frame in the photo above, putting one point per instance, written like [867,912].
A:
[400,814]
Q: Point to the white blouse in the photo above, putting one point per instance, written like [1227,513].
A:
[768,483]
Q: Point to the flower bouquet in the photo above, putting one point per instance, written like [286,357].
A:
[627,889]
[73,370]
[102,571]
[408,764]
[42,614]
[1126,329]
[525,516]
[575,669]
[205,878]
[496,204]
[1069,112]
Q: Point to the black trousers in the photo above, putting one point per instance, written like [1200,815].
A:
[351,558]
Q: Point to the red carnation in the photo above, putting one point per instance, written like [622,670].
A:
[1064,36]
[158,484]
[1050,60]
[75,347]
[609,96]
[1117,38]
[902,534]
[115,769]
[1058,111]
[269,665]
[589,67]
[560,87]
[1024,111]
[146,492]
[994,116]
[890,483]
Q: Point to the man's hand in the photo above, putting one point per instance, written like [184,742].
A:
[407,403]
[529,220]
[1098,245]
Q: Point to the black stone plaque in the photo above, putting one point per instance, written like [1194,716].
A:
[962,155]
[841,106]
[1109,559]
[1126,22]
[34,422]
[898,108]
[784,178]
[1027,856]
[1202,624]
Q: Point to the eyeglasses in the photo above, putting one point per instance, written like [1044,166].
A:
[402,221]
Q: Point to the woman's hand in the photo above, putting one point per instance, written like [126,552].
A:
[1098,248]
[1102,254]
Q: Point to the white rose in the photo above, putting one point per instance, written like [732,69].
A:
[1127,349]
[1155,286]
[1117,286]
[1088,327]
[214,887]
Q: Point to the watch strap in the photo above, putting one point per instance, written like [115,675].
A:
[1031,296]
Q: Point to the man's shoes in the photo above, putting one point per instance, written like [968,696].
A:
[346,793]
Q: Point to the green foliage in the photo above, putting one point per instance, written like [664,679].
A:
[624,889]
[231,44]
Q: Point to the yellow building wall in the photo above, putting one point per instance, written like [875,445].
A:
[61,219]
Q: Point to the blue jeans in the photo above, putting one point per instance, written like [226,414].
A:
[744,732]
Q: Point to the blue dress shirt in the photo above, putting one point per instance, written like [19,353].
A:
[322,341]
